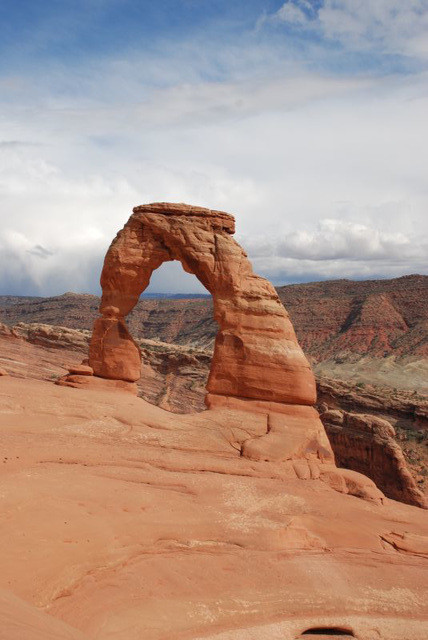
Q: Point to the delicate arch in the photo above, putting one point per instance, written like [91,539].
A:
[256,354]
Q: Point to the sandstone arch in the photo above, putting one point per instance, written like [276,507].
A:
[256,353]
[259,375]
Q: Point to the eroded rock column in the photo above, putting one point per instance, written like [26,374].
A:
[113,353]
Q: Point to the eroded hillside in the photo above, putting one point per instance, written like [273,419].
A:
[336,320]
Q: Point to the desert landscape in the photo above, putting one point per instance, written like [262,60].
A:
[376,366]
[213,320]
[132,510]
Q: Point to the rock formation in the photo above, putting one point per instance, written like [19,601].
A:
[400,407]
[258,366]
[256,353]
[332,319]
[366,444]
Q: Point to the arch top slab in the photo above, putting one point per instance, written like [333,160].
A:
[218,219]
[256,352]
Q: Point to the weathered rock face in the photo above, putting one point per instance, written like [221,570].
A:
[256,352]
[52,337]
[400,407]
[113,353]
[366,444]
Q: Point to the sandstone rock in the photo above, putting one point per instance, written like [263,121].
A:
[85,381]
[292,432]
[113,353]
[370,424]
[3,372]
[124,521]
[408,542]
[332,416]
[366,444]
[6,332]
[352,483]
[256,352]
[52,337]
[81,370]
[361,486]
[288,432]
[398,405]
[375,318]
[23,621]
[24,359]
[344,317]
[257,360]
[174,379]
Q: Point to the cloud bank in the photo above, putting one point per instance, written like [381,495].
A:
[308,123]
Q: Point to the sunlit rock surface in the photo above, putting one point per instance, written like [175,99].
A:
[125,521]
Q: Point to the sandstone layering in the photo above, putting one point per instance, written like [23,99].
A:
[123,521]
[366,444]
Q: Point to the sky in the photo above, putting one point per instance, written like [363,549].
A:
[305,119]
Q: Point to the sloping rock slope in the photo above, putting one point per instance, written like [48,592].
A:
[123,521]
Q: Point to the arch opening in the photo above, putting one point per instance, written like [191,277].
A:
[171,280]
[175,332]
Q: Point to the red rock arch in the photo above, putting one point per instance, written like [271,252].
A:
[256,352]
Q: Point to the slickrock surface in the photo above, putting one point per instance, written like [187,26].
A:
[124,521]
[39,351]
[22,621]
[256,354]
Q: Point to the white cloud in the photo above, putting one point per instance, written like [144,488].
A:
[388,26]
[392,26]
[338,239]
[325,173]
[353,153]
[291,12]
[335,249]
